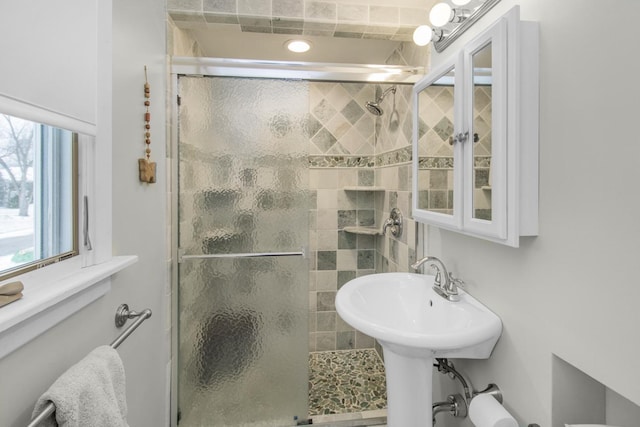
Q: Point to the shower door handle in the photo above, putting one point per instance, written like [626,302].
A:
[182,257]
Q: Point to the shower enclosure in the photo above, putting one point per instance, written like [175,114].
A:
[243,226]
[242,302]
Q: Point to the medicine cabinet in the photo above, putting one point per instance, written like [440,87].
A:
[475,136]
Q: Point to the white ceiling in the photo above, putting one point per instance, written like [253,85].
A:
[221,43]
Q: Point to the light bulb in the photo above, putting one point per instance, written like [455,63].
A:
[422,35]
[298,46]
[440,14]
[460,2]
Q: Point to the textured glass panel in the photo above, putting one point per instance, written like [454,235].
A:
[243,187]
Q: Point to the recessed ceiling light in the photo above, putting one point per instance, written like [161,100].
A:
[298,46]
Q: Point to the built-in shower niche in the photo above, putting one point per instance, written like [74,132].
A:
[578,398]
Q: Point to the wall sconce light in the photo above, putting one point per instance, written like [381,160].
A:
[442,14]
[448,22]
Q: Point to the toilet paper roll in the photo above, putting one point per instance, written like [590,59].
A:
[486,411]
[587,425]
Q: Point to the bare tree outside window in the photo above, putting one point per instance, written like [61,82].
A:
[16,161]
[38,195]
[17,225]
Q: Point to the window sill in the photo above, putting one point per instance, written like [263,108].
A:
[51,295]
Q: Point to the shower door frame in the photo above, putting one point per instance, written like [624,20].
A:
[222,67]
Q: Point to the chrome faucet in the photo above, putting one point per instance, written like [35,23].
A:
[447,288]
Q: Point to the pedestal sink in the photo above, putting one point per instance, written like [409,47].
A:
[414,325]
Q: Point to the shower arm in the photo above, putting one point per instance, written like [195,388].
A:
[391,89]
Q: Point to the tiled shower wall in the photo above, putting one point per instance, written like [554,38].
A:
[344,153]
[345,136]
[393,172]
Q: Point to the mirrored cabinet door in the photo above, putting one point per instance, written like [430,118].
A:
[438,118]
[485,151]
[481,128]
[475,144]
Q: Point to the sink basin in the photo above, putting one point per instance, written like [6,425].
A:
[403,311]
[414,325]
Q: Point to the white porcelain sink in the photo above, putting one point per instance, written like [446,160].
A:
[401,309]
[414,325]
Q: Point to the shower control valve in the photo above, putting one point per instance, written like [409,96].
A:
[394,222]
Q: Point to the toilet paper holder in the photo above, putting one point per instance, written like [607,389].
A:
[457,405]
[493,390]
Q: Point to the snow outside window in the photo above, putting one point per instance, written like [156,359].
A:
[38,195]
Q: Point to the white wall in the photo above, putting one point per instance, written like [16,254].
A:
[49,70]
[573,290]
[138,228]
[139,210]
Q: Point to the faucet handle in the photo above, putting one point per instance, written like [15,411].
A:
[455,283]
[458,282]
[437,281]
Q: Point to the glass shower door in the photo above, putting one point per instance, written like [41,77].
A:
[243,282]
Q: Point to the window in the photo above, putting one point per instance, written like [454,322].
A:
[38,195]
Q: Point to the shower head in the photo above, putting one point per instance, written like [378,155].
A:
[374,106]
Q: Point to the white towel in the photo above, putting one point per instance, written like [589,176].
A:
[90,393]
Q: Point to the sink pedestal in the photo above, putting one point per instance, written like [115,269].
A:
[409,389]
[414,324]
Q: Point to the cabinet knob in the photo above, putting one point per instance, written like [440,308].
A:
[461,137]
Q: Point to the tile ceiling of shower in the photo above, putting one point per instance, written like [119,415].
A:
[342,31]
[305,17]
[341,123]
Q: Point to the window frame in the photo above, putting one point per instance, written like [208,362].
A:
[57,291]
[75,214]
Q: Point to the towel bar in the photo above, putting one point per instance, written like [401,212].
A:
[122,312]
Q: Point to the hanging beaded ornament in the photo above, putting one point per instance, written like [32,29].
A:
[146,167]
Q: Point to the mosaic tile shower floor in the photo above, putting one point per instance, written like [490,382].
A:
[346,381]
